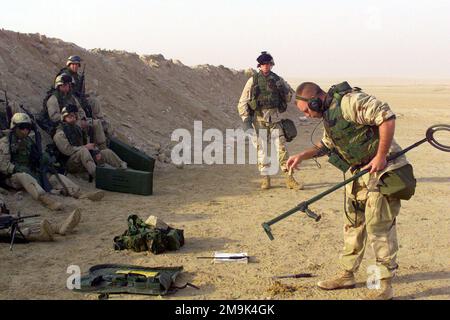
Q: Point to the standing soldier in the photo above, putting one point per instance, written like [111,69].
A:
[82,154]
[20,166]
[359,131]
[264,98]
[90,105]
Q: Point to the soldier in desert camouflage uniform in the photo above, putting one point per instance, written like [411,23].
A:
[19,166]
[264,98]
[90,105]
[82,155]
[358,134]
[62,96]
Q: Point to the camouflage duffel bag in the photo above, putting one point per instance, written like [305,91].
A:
[143,237]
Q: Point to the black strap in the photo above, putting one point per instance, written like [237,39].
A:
[188,284]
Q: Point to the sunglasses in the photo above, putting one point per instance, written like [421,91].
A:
[23,126]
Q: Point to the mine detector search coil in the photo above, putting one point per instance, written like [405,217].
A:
[303,206]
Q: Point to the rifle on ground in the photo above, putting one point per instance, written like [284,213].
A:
[12,223]
[303,206]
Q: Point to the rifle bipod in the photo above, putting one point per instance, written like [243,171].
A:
[303,206]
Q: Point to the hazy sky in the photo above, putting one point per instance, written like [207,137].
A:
[345,38]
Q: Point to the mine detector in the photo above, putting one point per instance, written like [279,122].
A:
[304,206]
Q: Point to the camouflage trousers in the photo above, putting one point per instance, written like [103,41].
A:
[82,161]
[371,218]
[29,227]
[262,142]
[98,133]
[31,185]
[98,115]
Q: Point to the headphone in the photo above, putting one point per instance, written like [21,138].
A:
[317,105]
[314,103]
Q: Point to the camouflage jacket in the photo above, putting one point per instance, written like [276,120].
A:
[363,109]
[54,108]
[63,144]
[265,115]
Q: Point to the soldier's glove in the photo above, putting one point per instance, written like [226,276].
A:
[248,124]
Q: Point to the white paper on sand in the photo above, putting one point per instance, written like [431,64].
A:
[222,257]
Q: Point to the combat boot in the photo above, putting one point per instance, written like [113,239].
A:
[386,292]
[93,196]
[69,224]
[265,183]
[47,201]
[345,280]
[291,183]
[45,232]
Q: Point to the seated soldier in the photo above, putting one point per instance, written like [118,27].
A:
[83,154]
[20,166]
[90,105]
[62,96]
[43,230]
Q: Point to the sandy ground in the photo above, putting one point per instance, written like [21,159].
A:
[221,209]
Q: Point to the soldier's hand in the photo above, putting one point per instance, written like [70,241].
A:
[294,162]
[377,164]
[83,124]
[90,146]
[247,125]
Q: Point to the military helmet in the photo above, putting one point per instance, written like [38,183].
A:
[71,108]
[264,58]
[19,118]
[63,79]
[73,60]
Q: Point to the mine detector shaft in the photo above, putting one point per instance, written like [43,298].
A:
[304,206]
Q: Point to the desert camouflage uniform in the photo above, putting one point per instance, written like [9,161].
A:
[95,104]
[54,113]
[268,119]
[371,216]
[23,180]
[80,159]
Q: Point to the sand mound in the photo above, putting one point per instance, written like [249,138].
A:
[145,97]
